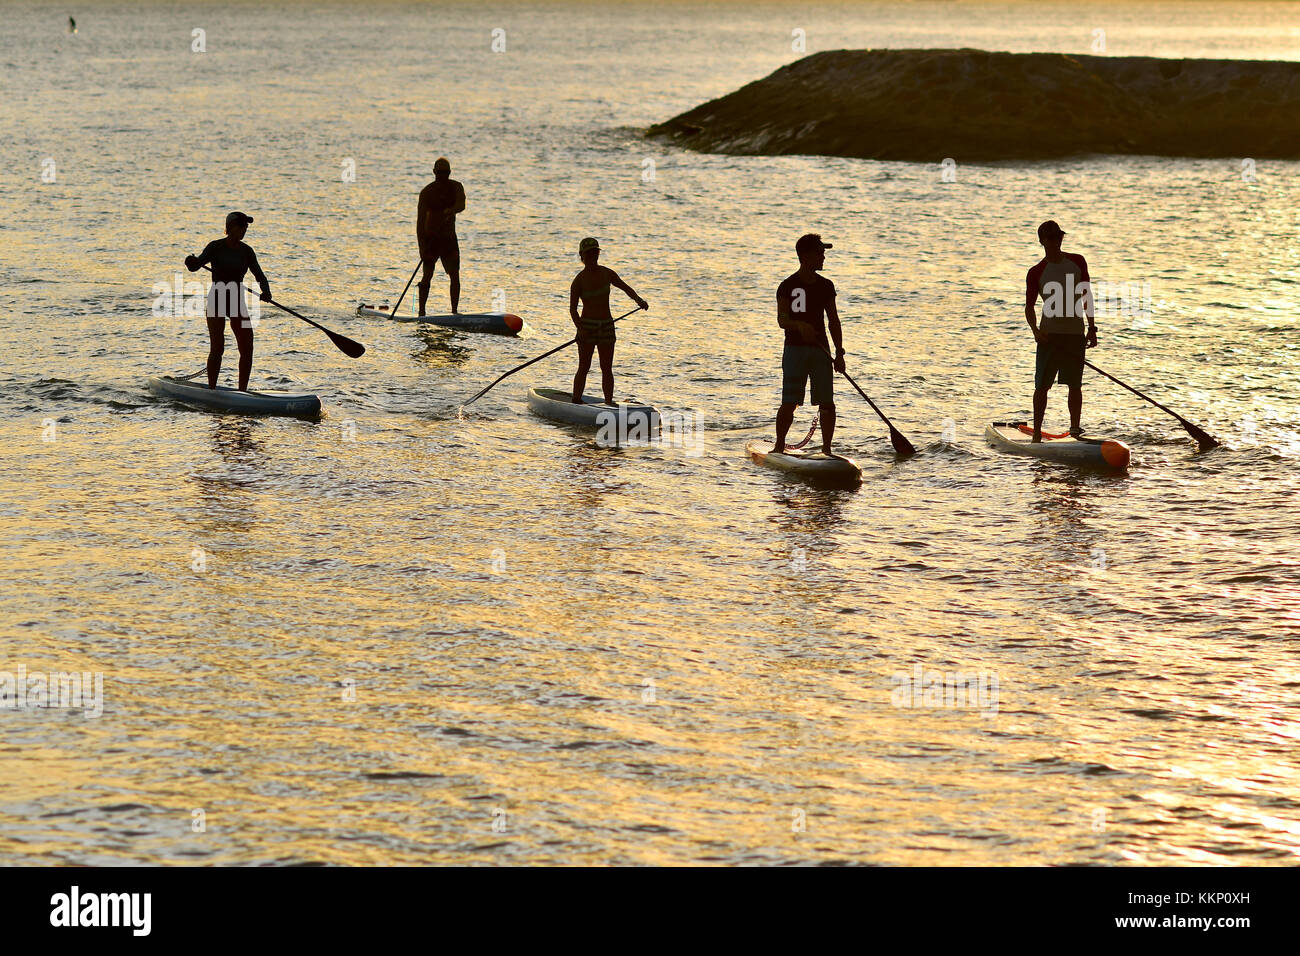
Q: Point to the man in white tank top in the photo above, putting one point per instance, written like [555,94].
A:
[1061,280]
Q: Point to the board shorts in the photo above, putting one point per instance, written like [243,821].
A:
[226,301]
[799,363]
[601,331]
[446,248]
[1059,357]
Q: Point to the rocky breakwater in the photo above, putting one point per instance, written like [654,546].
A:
[976,106]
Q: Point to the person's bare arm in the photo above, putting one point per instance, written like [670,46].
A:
[1031,303]
[459,205]
[423,218]
[1085,298]
[614,280]
[255,268]
[836,333]
[573,302]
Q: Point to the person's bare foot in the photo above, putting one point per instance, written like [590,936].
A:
[577,399]
[826,450]
[1076,431]
[1038,437]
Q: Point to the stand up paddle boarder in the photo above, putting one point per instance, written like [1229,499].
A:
[805,308]
[435,229]
[230,258]
[595,325]
[1061,280]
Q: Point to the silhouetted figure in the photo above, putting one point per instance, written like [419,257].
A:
[595,325]
[231,258]
[1061,280]
[72,25]
[435,228]
[805,308]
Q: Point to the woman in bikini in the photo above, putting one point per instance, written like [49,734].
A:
[595,325]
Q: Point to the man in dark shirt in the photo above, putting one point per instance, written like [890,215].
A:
[1061,280]
[805,308]
[435,229]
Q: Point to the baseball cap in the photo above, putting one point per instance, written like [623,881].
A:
[1050,228]
[588,243]
[238,217]
[810,243]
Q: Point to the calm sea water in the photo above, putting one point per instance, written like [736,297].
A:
[411,634]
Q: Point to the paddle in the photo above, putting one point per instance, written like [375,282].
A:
[344,344]
[1203,438]
[393,310]
[896,438]
[539,358]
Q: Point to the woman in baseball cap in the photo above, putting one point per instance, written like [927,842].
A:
[231,259]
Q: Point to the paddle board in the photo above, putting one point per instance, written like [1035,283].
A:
[1017,439]
[626,422]
[222,399]
[493,323]
[814,466]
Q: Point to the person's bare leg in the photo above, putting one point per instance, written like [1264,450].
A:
[423,285]
[606,350]
[454,276]
[243,330]
[1040,407]
[584,365]
[784,419]
[216,346]
[826,418]
[1075,403]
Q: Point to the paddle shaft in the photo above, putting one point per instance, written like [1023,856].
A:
[558,348]
[1202,436]
[393,310]
[344,344]
[896,438]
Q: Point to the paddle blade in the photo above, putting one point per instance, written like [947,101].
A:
[477,396]
[346,345]
[900,442]
[1203,438]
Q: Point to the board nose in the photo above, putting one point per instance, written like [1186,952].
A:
[1115,453]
